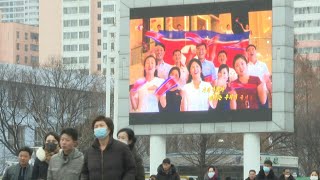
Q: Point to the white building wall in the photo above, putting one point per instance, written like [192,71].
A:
[76,35]
[20,11]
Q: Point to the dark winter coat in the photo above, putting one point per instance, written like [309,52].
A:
[249,178]
[283,178]
[139,165]
[12,173]
[40,167]
[40,170]
[271,175]
[116,162]
[172,174]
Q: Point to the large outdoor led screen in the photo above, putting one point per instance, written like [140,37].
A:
[201,63]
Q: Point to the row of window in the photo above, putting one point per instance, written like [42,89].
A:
[7,10]
[315,36]
[309,50]
[33,36]
[307,23]
[76,10]
[108,8]
[34,59]
[74,47]
[74,35]
[307,10]
[16,3]
[33,47]
[109,20]
[74,60]
[73,23]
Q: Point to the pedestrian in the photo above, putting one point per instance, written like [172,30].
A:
[107,159]
[167,171]
[266,173]
[314,175]
[252,175]
[22,170]
[44,154]
[286,175]
[211,174]
[66,164]
[126,135]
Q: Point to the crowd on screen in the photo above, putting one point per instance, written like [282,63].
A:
[200,86]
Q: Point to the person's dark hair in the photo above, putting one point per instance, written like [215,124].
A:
[189,66]
[174,68]
[162,45]
[55,135]
[315,172]
[252,170]
[153,176]
[269,162]
[26,149]
[222,51]
[176,50]
[239,56]
[131,136]
[70,132]
[285,169]
[213,167]
[224,66]
[107,120]
[144,64]
[201,44]
[251,45]
[167,161]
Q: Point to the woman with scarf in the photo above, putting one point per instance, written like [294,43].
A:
[43,156]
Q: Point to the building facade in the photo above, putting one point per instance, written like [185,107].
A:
[19,44]
[20,11]
[79,37]
[307,30]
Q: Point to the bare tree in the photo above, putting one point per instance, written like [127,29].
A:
[304,142]
[48,99]
[204,150]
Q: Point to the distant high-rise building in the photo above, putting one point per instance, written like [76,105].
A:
[81,33]
[307,29]
[19,44]
[20,11]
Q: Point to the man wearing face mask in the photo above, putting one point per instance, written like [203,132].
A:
[107,158]
[266,173]
[286,175]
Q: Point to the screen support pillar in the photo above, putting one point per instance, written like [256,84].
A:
[251,153]
[157,152]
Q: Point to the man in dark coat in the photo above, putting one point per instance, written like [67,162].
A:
[167,171]
[266,173]
[107,158]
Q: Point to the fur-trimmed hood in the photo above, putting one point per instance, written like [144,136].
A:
[41,154]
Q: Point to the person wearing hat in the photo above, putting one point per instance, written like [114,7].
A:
[167,171]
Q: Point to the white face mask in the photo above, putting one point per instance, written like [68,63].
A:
[313,177]
[286,175]
[124,141]
[210,174]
